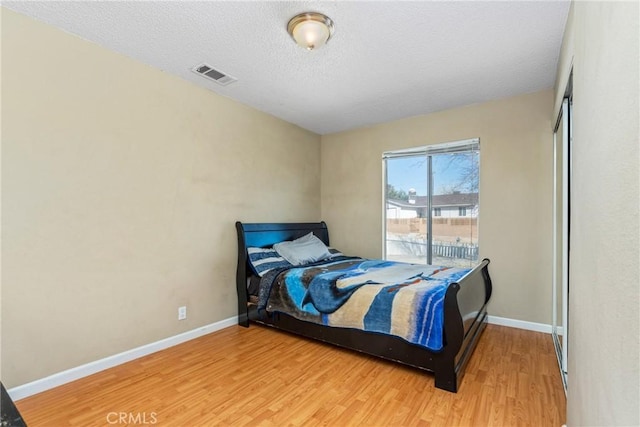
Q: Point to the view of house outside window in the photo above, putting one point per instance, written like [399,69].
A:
[453,188]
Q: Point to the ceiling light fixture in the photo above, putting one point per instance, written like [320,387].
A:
[310,30]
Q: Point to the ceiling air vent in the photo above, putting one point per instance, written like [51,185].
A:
[210,73]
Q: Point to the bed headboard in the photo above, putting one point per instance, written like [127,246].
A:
[265,235]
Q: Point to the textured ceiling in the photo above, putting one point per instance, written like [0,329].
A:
[386,60]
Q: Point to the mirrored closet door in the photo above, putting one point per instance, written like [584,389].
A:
[561,230]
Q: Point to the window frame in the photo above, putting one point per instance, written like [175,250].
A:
[462,146]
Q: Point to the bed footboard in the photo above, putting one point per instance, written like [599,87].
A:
[465,313]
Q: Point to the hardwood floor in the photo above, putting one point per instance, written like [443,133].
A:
[259,376]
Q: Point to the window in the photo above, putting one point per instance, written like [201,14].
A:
[416,181]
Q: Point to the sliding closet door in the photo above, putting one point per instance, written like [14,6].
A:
[561,228]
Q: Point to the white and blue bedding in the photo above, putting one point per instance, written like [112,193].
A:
[405,300]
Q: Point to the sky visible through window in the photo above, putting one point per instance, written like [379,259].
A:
[411,172]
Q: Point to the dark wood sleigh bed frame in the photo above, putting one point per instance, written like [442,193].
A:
[465,313]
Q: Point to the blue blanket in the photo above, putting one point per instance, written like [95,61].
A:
[388,297]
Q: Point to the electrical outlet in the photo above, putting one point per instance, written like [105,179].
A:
[182,312]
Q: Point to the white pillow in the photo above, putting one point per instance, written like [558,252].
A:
[304,250]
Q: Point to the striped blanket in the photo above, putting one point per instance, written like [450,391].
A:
[405,300]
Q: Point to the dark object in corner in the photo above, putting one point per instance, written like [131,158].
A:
[9,415]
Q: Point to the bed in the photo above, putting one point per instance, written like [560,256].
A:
[463,311]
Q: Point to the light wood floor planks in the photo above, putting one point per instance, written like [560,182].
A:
[259,376]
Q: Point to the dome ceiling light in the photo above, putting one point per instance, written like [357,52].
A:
[310,30]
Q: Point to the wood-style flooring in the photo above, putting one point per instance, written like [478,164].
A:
[260,376]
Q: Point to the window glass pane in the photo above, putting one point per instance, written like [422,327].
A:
[455,194]
[406,225]
[433,190]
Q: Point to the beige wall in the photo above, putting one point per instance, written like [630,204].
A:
[515,191]
[120,188]
[604,304]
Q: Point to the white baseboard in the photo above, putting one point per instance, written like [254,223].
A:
[90,368]
[520,324]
